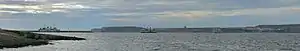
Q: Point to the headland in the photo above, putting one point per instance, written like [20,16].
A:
[14,39]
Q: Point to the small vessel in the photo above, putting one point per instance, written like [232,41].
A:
[149,30]
[49,29]
[216,30]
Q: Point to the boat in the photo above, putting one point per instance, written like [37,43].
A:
[216,30]
[149,30]
[49,29]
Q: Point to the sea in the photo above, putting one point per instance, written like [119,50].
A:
[172,42]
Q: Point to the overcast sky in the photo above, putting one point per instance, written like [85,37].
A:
[86,14]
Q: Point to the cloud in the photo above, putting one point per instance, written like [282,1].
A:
[6,19]
[149,11]
[122,14]
[69,6]
[186,14]
[239,12]
[192,8]
[295,9]
[166,3]
[121,19]
[17,6]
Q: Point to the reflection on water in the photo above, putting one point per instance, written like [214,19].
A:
[173,42]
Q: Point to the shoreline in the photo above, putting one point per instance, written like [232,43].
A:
[15,39]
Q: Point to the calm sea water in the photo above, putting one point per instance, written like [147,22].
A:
[173,42]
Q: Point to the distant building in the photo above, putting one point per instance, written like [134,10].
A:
[49,29]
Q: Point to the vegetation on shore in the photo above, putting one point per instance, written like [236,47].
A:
[13,39]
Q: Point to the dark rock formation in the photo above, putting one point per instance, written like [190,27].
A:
[13,39]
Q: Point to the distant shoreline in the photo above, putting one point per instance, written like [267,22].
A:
[62,31]
[285,28]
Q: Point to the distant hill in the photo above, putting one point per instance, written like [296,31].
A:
[118,29]
[285,28]
[279,26]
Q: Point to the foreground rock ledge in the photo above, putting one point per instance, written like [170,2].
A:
[14,39]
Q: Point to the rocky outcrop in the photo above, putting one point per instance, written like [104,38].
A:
[13,39]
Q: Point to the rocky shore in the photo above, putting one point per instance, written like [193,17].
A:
[14,39]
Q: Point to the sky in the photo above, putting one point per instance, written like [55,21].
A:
[87,14]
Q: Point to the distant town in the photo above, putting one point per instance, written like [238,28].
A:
[286,28]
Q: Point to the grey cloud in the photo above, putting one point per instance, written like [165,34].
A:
[146,10]
[39,6]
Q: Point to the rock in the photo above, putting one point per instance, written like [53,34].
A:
[14,39]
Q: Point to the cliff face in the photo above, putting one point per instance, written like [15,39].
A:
[12,39]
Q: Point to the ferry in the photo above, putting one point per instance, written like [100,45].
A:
[49,29]
[150,30]
[216,30]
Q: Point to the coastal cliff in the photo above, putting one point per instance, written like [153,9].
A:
[13,39]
